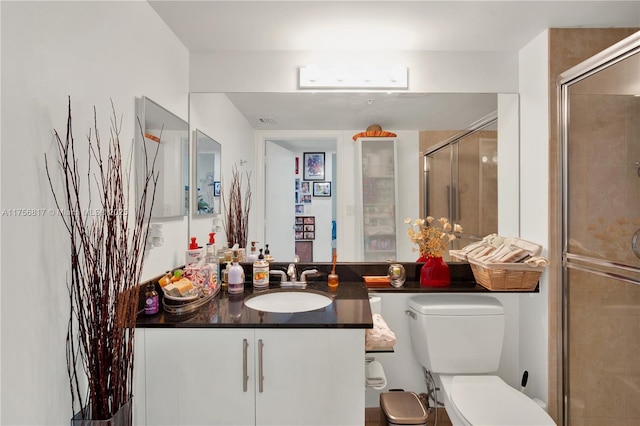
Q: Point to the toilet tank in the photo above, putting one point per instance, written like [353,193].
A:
[456,333]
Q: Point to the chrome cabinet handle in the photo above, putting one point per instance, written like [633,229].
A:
[260,371]
[245,374]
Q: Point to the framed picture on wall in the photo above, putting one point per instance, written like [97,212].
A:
[216,188]
[322,189]
[313,166]
[305,187]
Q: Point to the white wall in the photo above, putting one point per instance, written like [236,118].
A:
[276,71]
[93,52]
[534,184]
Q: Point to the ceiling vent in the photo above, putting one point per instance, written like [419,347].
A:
[267,120]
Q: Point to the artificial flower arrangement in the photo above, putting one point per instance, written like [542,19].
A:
[431,240]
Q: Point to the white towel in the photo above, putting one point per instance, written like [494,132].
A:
[537,261]
[380,336]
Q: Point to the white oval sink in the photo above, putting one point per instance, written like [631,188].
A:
[288,301]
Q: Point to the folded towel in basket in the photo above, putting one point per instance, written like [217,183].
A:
[536,261]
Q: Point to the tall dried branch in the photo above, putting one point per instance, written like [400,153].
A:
[106,248]
[236,209]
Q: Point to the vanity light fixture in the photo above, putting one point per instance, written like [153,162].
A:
[364,77]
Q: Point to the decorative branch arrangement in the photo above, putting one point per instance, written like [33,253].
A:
[236,212]
[107,247]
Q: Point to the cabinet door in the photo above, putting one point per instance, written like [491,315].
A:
[196,377]
[310,377]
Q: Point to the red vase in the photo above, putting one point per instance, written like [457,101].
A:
[434,272]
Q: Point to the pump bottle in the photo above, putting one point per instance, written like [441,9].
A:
[194,254]
[235,276]
[260,272]
[253,254]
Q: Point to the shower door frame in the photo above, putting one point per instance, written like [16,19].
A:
[618,52]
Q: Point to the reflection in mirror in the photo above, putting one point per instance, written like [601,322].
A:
[162,127]
[461,178]
[207,174]
[307,117]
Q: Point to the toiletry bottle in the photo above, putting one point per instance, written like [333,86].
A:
[211,264]
[194,254]
[151,302]
[253,253]
[260,272]
[235,276]
[211,245]
[267,254]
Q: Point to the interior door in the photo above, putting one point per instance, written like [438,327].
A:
[280,201]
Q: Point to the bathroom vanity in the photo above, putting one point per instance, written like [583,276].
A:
[227,364]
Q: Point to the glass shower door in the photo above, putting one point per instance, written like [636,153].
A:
[601,280]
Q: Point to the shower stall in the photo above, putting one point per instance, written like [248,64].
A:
[460,180]
[600,125]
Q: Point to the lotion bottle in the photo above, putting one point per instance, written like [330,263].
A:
[260,272]
[235,276]
[194,254]
[253,254]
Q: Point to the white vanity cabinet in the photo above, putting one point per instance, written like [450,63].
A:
[376,165]
[197,376]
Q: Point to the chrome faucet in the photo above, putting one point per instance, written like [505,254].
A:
[291,274]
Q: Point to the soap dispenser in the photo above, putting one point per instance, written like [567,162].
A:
[260,272]
[253,254]
[267,254]
[194,254]
[211,261]
[235,278]
[211,248]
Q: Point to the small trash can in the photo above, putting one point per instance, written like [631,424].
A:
[402,408]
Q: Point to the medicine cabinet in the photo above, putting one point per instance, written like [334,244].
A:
[168,135]
[207,174]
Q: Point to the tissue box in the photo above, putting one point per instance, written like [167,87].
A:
[204,277]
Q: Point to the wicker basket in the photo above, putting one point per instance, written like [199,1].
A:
[506,276]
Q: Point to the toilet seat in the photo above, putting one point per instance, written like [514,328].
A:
[489,401]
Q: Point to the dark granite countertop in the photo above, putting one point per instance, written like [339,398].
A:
[350,307]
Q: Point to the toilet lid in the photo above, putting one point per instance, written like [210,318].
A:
[488,400]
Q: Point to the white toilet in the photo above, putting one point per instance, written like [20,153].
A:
[458,338]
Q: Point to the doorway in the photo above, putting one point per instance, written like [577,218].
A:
[300,203]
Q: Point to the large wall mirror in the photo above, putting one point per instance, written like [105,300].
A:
[169,135]
[301,122]
[207,174]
